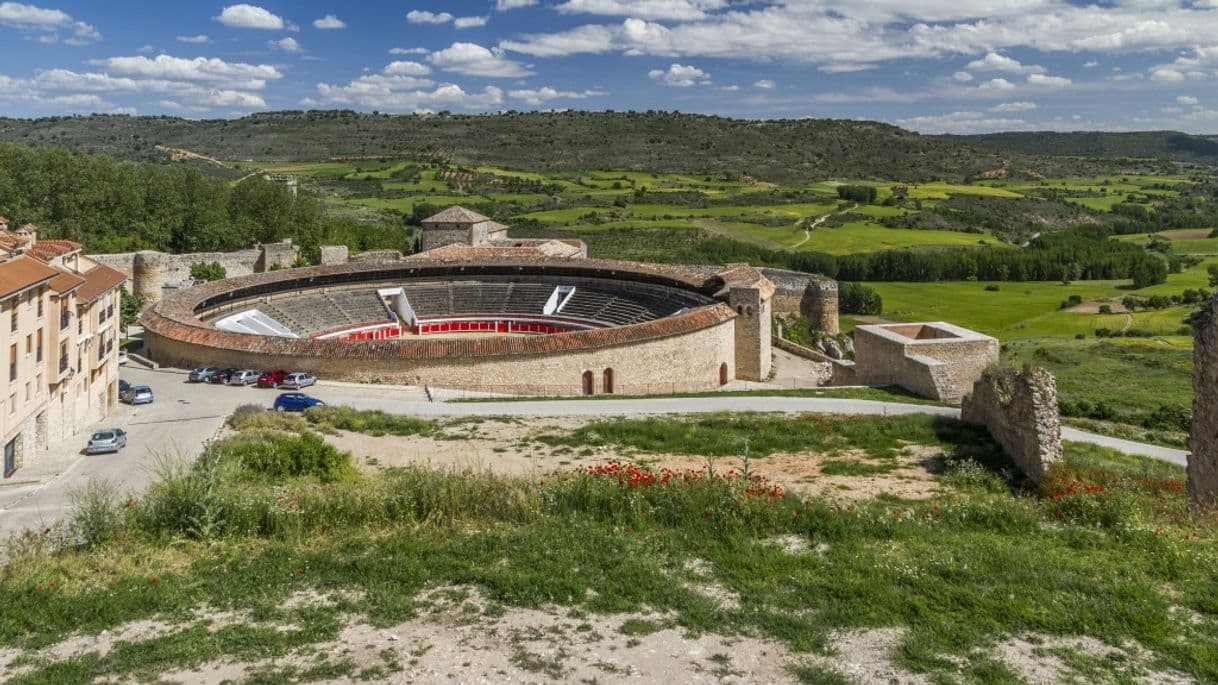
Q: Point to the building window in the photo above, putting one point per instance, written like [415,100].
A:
[64,315]
[38,357]
[12,362]
[63,357]
[12,404]
[28,392]
[29,344]
[13,318]
[40,306]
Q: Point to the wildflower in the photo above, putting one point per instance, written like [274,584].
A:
[152,580]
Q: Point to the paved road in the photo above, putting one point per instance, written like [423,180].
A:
[186,415]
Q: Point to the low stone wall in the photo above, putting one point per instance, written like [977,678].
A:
[149,271]
[1019,409]
[813,296]
[935,360]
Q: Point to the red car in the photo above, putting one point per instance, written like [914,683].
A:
[272,379]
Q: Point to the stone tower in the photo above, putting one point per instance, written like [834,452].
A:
[751,295]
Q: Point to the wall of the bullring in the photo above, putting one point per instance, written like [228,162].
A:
[688,362]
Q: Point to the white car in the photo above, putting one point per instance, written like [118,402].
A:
[298,380]
[122,357]
[243,377]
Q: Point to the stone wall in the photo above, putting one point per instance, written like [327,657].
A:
[149,271]
[753,337]
[334,254]
[1203,436]
[683,363]
[813,296]
[1019,409]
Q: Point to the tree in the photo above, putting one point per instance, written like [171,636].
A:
[129,307]
[1212,270]
[208,271]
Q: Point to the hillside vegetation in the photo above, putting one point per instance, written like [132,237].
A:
[547,141]
[1160,145]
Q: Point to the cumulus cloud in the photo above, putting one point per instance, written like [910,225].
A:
[546,93]
[195,40]
[765,84]
[1187,100]
[961,122]
[1165,74]
[425,17]
[408,51]
[997,84]
[475,60]
[1048,81]
[329,22]
[505,5]
[679,76]
[962,76]
[48,22]
[245,16]
[469,22]
[1014,107]
[996,62]
[289,45]
[399,88]
[678,10]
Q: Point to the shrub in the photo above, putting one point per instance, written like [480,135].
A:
[278,457]
[96,515]
[992,287]
[208,271]
[370,422]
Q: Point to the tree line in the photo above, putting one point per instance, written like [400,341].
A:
[112,206]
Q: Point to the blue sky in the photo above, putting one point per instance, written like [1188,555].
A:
[933,66]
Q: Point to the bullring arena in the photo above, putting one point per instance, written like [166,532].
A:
[538,326]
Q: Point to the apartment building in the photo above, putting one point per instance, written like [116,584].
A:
[59,314]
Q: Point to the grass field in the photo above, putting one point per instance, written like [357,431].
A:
[248,559]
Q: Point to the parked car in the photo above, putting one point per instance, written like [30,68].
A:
[202,374]
[108,440]
[123,386]
[137,394]
[221,376]
[243,377]
[298,380]
[296,401]
[122,357]
[272,379]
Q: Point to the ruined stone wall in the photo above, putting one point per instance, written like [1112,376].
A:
[938,369]
[684,363]
[1020,412]
[149,271]
[1203,436]
[439,235]
[334,254]
[813,296]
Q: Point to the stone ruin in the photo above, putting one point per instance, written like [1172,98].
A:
[1019,409]
[1203,435]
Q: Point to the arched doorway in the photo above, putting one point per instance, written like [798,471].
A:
[723,373]
[588,388]
[607,382]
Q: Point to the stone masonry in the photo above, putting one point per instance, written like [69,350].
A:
[1019,409]
[813,296]
[933,359]
[1203,437]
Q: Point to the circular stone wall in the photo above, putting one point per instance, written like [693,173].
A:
[687,351]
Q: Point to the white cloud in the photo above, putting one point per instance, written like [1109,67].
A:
[961,122]
[245,16]
[289,45]
[329,22]
[408,51]
[505,5]
[1165,74]
[996,62]
[474,60]
[234,75]
[1048,81]
[403,68]
[962,76]
[196,40]
[680,76]
[146,48]
[677,10]
[47,21]
[546,93]
[764,83]
[469,22]
[424,17]
[997,84]
[1014,107]
[398,88]
[1187,100]
[1090,64]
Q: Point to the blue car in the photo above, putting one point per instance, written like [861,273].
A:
[296,401]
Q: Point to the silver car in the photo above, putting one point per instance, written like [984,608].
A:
[203,373]
[108,440]
[243,377]
[298,380]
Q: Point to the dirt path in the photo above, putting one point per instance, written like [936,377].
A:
[819,220]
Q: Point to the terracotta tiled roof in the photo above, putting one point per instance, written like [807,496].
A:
[21,273]
[743,275]
[175,317]
[456,215]
[66,281]
[46,250]
[99,280]
[11,243]
[501,249]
